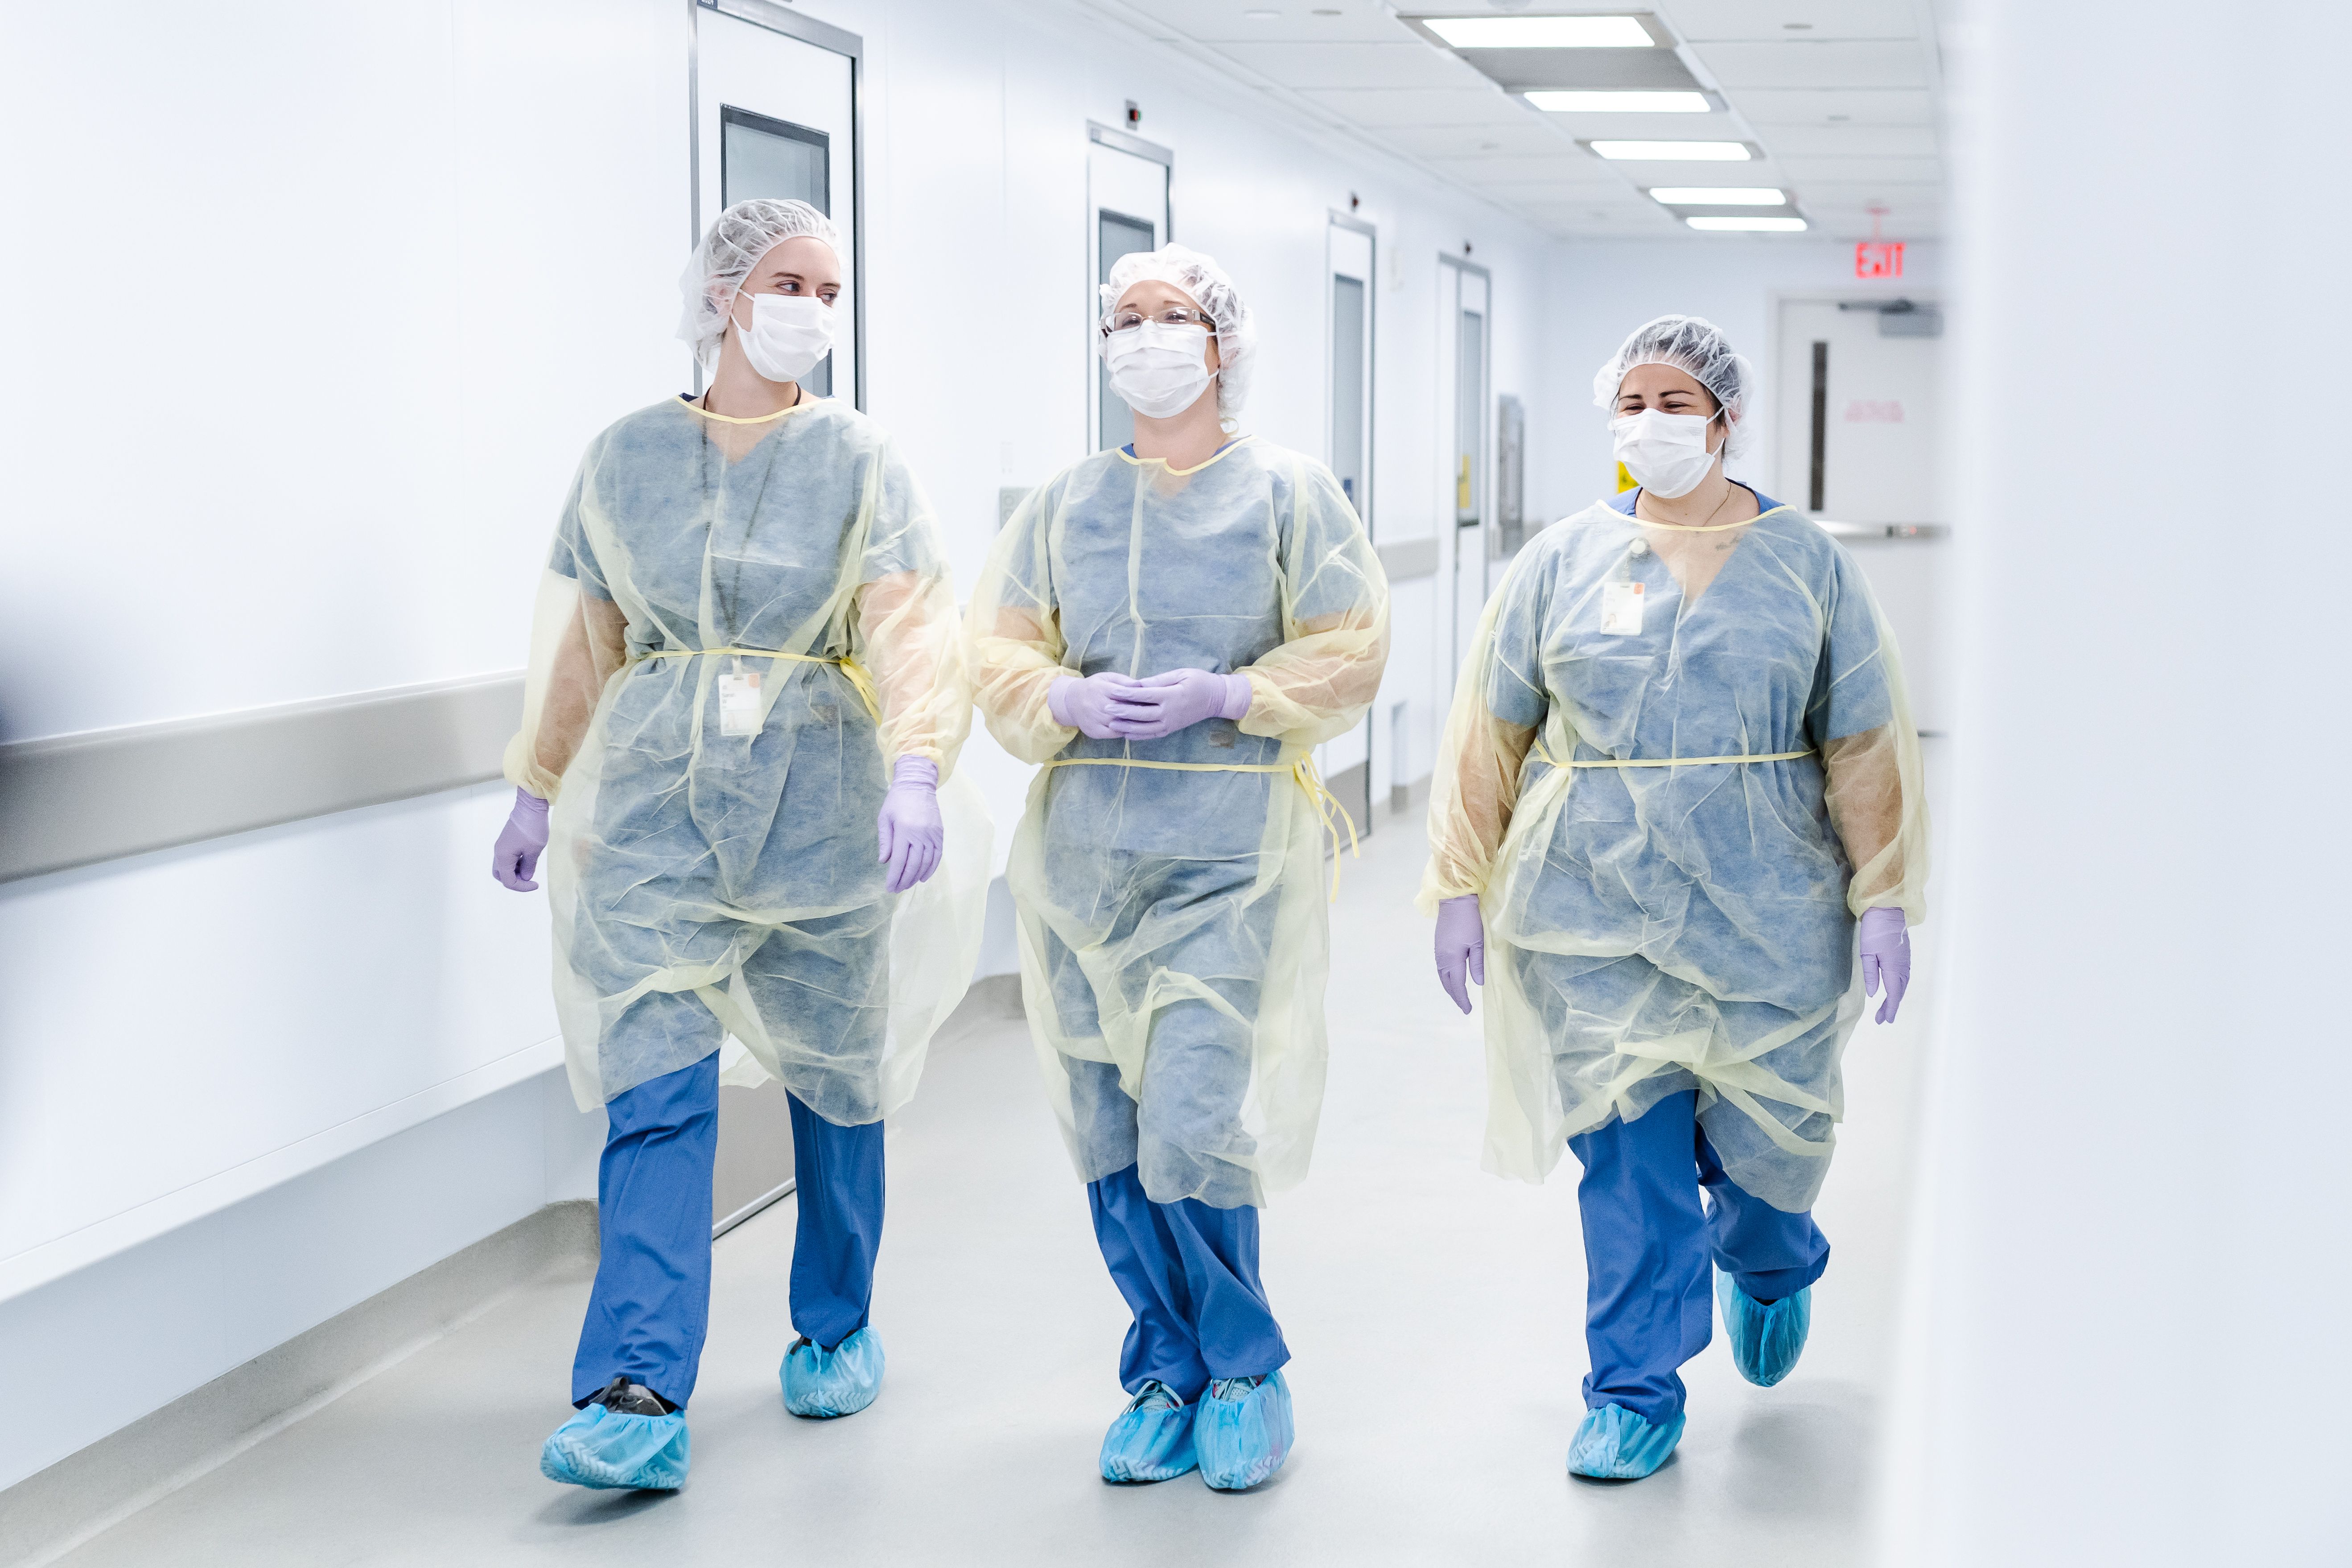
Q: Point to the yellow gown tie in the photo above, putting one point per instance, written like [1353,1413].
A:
[856,672]
[1302,772]
[1537,751]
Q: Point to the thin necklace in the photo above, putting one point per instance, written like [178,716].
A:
[1728,487]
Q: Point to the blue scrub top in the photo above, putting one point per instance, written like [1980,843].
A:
[1623,501]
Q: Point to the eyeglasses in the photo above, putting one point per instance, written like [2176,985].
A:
[1174,316]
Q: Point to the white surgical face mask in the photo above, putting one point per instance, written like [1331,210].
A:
[787,335]
[1158,370]
[1666,453]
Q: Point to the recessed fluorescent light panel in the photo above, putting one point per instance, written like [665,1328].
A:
[1571,102]
[1540,32]
[1674,152]
[1747,225]
[1719,196]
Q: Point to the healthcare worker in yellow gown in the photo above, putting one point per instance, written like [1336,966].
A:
[1677,829]
[1169,628]
[745,702]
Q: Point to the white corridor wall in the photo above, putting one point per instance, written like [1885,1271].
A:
[2129,1343]
[310,316]
[295,379]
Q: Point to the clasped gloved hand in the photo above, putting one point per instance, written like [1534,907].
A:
[521,843]
[1461,946]
[909,824]
[1885,957]
[1087,703]
[1163,704]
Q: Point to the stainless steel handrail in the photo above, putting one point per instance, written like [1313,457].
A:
[79,799]
[1884,530]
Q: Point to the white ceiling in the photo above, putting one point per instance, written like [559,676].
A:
[1841,96]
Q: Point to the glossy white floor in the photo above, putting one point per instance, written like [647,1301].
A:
[1435,1313]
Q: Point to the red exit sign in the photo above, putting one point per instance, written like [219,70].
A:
[1878,258]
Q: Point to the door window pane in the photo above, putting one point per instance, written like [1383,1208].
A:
[1510,477]
[761,158]
[1348,385]
[1116,234]
[1469,395]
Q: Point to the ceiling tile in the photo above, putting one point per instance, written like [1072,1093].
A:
[1573,190]
[1851,106]
[1900,202]
[1816,64]
[1555,199]
[1536,141]
[1853,226]
[1575,169]
[1294,22]
[1379,107]
[1852,141]
[1856,221]
[1839,226]
[1648,127]
[1702,20]
[1644,174]
[1649,220]
[1409,64]
[1865,171]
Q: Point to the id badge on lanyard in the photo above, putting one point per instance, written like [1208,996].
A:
[738,701]
[1621,609]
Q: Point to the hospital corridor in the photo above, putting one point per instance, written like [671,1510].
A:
[986,1467]
[1171,781]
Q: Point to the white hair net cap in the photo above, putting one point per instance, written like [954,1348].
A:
[1201,277]
[738,239]
[1699,349]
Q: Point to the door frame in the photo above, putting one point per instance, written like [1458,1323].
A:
[1372,355]
[778,18]
[1483,463]
[1780,298]
[1118,140]
[1369,486]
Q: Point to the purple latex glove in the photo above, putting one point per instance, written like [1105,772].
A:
[910,823]
[1461,945]
[1885,956]
[521,842]
[1161,705]
[1086,705]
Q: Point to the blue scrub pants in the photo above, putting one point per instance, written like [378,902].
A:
[1648,1243]
[650,1307]
[1189,1271]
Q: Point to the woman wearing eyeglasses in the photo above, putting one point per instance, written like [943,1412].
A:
[1168,628]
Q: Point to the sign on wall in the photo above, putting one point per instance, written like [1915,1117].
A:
[1878,258]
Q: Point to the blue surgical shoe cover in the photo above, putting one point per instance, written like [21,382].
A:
[1243,1436]
[1765,1340]
[599,1448]
[1152,1440]
[843,1380]
[1615,1444]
